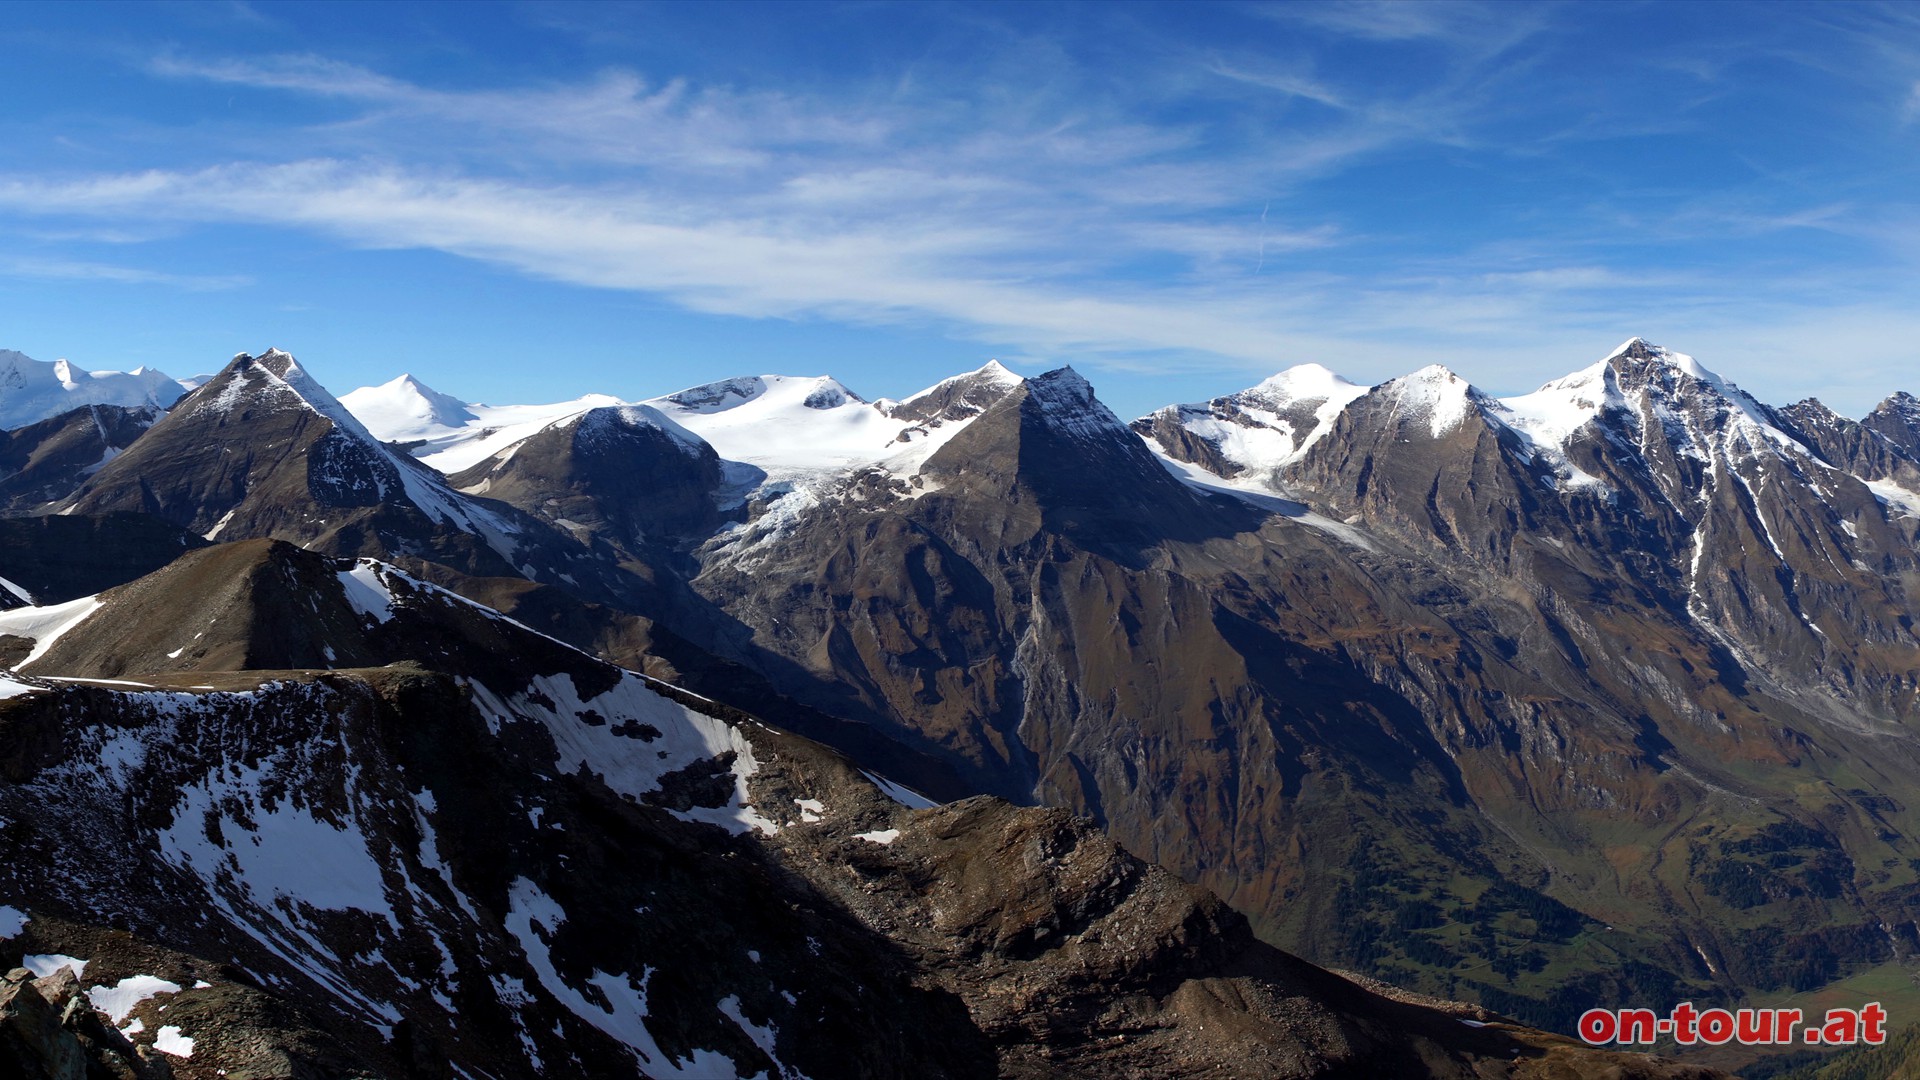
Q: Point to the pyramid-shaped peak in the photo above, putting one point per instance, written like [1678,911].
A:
[994,369]
[1639,355]
[1063,389]
[957,397]
[408,384]
[1637,348]
[407,408]
[275,362]
[278,361]
[1064,399]
[275,375]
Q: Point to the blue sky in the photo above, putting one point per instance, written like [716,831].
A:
[517,202]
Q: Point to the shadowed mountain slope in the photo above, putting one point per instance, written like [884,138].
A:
[45,462]
[502,855]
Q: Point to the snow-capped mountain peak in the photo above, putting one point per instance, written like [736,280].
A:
[992,374]
[448,434]
[1702,413]
[1259,430]
[1065,394]
[33,390]
[1305,383]
[634,417]
[1550,415]
[935,411]
[406,409]
[995,369]
[1434,394]
[820,392]
[277,375]
[789,426]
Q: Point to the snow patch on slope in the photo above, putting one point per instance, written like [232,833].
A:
[169,1040]
[46,965]
[45,625]
[905,796]
[1902,500]
[16,591]
[229,827]
[630,737]
[118,1001]
[366,592]
[534,919]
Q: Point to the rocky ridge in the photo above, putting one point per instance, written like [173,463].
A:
[1428,683]
[496,853]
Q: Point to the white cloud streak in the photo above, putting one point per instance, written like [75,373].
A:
[1024,223]
[75,270]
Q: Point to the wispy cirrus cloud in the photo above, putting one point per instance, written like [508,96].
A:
[73,270]
[1231,203]
[617,240]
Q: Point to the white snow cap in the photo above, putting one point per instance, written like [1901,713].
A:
[1435,393]
[32,390]
[634,417]
[991,373]
[1662,354]
[1305,382]
[406,409]
[789,426]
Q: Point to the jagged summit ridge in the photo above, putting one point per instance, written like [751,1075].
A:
[1640,393]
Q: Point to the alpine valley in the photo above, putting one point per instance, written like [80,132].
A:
[761,730]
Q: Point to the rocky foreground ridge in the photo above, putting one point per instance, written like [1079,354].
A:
[471,850]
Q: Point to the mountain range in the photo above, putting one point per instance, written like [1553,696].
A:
[760,729]
[33,390]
